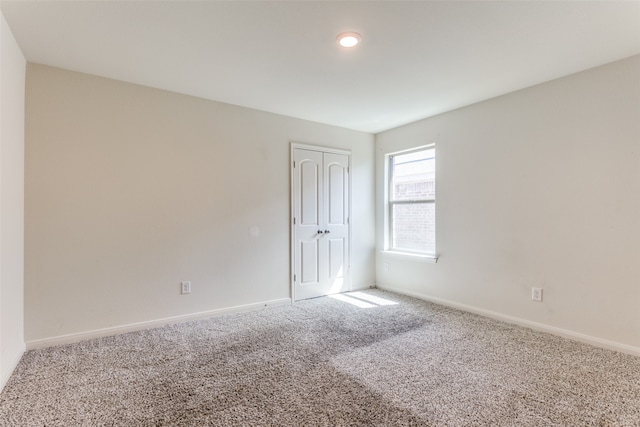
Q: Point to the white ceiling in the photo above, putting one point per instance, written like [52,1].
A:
[417,59]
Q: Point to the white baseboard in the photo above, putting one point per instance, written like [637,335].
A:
[12,366]
[115,330]
[575,336]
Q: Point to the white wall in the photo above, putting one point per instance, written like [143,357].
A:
[540,188]
[130,190]
[12,83]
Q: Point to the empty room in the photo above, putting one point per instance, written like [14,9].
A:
[331,213]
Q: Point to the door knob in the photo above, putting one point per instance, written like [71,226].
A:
[319,231]
[327,231]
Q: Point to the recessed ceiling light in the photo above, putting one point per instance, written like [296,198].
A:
[349,39]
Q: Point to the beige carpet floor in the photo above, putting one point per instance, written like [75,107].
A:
[369,359]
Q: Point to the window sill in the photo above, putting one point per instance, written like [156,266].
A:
[410,257]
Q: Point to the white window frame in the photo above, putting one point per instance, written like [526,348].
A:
[423,256]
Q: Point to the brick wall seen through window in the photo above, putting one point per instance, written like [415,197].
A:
[412,220]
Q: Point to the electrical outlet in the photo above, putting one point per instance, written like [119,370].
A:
[386,267]
[185,287]
[536,294]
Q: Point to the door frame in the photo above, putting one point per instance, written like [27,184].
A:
[292,232]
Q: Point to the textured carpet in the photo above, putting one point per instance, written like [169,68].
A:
[395,361]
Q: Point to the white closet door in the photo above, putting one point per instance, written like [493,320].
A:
[320,200]
[336,215]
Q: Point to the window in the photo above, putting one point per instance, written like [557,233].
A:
[412,201]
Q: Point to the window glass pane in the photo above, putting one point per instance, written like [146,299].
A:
[414,227]
[414,176]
